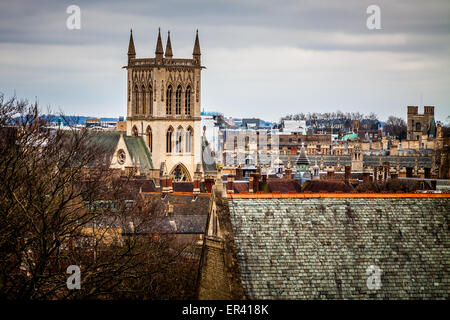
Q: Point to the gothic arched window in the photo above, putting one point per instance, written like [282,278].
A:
[188,140]
[178,140]
[136,100]
[169,140]
[178,100]
[150,99]
[187,101]
[143,99]
[169,100]
[134,131]
[418,126]
[150,138]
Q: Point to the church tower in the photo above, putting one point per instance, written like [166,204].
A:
[163,106]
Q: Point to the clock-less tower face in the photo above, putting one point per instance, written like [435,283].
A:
[163,106]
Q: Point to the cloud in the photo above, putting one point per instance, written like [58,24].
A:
[264,58]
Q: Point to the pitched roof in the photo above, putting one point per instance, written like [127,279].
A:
[328,186]
[317,248]
[302,158]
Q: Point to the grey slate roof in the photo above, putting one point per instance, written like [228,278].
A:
[107,141]
[321,248]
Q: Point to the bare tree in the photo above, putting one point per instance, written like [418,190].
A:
[52,214]
[396,127]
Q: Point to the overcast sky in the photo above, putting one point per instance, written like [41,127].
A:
[264,58]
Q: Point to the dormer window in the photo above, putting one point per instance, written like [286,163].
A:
[121,156]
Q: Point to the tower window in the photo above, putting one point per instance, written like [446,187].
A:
[169,140]
[143,99]
[178,100]
[150,94]
[136,100]
[178,140]
[188,140]
[150,139]
[169,100]
[187,101]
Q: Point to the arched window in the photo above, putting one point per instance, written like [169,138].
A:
[169,140]
[187,101]
[169,100]
[178,100]
[150,99]
[178,140]
[134,131]
[418,126]
[180,173]
[150,139]
[143,98]
[188,140]
[136,100]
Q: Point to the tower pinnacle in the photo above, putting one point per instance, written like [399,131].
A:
[131,50]
[168,47]
[159,48]
[196,53]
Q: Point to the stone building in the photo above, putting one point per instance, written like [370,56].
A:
[163,106]
[419,124]
[300,246]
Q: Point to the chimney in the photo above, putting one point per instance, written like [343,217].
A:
[167,184]
[330,174]
[256,179]
[366,176]
[230,184]
[209,182]
[427,173]
[287,174]
[239,173]
[348,171]
[197,179]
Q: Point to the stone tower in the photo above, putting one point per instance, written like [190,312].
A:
[163,106]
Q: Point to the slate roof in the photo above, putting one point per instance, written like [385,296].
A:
[176,224]
[182,204]
[183,186]
[283,186]
[302,158]
[320,248]
[107,141]
[328,186]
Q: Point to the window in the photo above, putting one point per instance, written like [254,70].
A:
[121,156]
[180,173]
[187,101]
[169,140]
[150,94]
[178,140]
[143,99]
[178,100]
[150,139]
[134,131]
[418,126]
[136,100]
[188,140]
[169,100]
